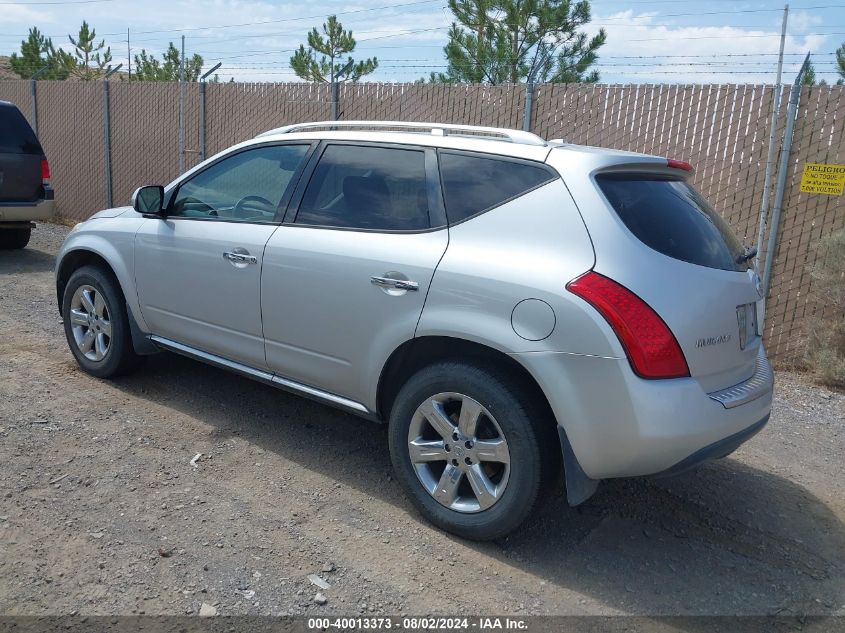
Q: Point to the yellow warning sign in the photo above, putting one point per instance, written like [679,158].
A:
[821,178]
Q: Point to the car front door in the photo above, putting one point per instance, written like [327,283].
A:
[345,277]
[198,270]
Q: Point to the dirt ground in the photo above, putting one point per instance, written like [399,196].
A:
[101,511]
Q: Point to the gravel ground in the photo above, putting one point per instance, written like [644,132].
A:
[101,511]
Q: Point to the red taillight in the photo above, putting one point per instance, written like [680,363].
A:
[45,171]
[678,164]
[651,347]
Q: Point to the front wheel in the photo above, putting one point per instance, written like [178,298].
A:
[472,449]
[96,323]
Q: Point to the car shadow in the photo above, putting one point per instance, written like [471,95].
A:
[726,538]
[27,260]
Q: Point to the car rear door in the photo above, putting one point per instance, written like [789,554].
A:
[198,271]
[346,276]
[20,158]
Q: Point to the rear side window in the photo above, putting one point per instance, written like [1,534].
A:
[16,137]
[376,188]
[674,219]
[473,184]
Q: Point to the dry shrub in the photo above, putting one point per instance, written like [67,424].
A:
[826,349]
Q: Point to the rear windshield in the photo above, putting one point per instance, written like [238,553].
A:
[672,218]
[16,137]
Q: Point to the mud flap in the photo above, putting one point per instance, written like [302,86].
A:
[140,343]
[579,487]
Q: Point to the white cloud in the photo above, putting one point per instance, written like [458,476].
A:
[638,50]
[802,21]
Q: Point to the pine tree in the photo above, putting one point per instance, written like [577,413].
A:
[37,51]
[508,41]
[148,68]
[90,63]
[331,48]
[840,64]
[809,78]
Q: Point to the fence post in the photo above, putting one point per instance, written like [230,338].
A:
[529,106]
[770,157]
[107,142]
[205,76]
[182,110]
[34,106]
[791,111]
[202,121]
[334,99]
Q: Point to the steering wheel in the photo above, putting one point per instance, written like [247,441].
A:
[193,207]
[243,209]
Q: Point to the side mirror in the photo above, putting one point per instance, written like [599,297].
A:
[148,199]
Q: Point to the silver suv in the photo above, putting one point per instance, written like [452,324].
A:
[508,305]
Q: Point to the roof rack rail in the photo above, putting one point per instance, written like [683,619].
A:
[436,129]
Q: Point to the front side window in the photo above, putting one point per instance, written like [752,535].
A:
[473,184]
[246,187]
[375,188]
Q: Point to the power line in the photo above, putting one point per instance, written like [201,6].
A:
[256,23]
[380,8]
[27,4]
[733,12]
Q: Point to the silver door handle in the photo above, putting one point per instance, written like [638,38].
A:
[399,284]
[240,258]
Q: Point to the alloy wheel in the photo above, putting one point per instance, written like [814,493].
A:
[90,322]
[459,452]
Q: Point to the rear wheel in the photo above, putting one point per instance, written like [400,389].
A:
[96,323]
[471,449]
[13,239]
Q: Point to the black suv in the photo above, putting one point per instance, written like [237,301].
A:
[25,191]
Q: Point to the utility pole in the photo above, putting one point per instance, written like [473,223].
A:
[770,159]
[128,54]
[182,110]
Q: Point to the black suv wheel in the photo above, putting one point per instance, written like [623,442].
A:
[14,239]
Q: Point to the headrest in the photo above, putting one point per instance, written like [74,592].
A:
[368,192]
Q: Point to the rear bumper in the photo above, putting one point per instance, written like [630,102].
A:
[40,211]
[716,450]
[620,425]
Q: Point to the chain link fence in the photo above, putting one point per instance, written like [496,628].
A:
[721,129]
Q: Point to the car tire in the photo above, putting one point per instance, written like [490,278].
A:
[14,239]
[509,411]
[102,344]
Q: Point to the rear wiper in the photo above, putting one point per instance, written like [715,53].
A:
[748,253]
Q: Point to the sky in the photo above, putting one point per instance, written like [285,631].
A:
[648,41]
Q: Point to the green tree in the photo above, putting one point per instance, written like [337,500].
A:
[840,64]
[148,68]
[331,48]
[37,51]
[91,60]
[501,41]
[809,78]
